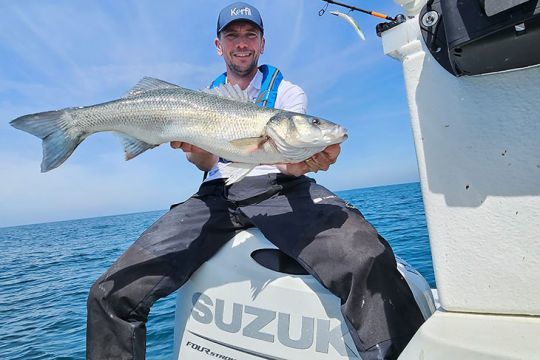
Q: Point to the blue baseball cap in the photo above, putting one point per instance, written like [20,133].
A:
[239,11]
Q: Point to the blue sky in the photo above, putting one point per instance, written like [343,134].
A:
[56,54]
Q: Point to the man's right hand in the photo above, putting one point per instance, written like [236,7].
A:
[201,158]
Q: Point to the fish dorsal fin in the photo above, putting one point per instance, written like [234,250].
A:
[149,83]
[228,91]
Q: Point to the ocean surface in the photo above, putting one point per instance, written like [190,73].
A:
[47,269]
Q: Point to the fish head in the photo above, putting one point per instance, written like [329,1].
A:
[298,136]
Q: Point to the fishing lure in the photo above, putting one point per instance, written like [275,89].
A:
[351,21]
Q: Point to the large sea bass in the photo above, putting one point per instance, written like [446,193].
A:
[222,121]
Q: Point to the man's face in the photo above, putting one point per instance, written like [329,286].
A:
[240,44]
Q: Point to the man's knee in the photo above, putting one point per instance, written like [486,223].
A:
[119,297]
[364,253]
[97,295]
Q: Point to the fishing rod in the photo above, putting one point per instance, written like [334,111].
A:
[354,8]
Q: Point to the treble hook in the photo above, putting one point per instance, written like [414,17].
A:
[323,10]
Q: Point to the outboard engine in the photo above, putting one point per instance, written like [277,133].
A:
[251,301]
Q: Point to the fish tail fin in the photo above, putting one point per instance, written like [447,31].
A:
[53,127]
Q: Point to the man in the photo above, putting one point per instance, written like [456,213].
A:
[332,240]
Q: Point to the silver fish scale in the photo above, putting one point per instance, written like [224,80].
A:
[158,116]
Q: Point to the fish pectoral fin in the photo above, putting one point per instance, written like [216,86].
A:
[249,144]
[134,147]
[228,91]
[238,172]
[147,84]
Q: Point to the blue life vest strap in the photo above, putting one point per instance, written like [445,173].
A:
[272,77]
[220,80]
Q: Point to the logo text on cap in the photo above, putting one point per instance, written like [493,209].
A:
[245,11]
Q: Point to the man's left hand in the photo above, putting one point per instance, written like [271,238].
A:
[319,161]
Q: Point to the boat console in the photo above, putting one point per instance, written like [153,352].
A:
[472,76]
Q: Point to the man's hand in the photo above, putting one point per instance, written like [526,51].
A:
[187,147]
[201,158]
[319,161]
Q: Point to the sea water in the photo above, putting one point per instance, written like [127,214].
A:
[47,269]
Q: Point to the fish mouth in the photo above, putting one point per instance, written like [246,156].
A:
[337,136]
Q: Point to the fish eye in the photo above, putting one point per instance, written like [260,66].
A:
[316,121]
